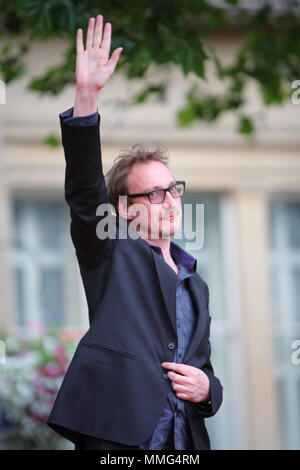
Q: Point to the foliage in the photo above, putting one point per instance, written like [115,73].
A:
[162,33]
[30,379]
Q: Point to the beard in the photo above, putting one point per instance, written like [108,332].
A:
[162,227]
[169,227]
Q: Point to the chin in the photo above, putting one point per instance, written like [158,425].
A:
[170,231]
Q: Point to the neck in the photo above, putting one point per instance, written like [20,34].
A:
[163,243]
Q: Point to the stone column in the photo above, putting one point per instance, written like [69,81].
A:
[252,225]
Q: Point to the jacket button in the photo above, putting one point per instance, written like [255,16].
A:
[165,376]
[171,345]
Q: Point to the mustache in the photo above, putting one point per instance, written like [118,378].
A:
[175,213]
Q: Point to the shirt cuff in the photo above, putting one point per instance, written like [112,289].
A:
[89,120]
[204,405]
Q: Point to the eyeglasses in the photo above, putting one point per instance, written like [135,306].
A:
[158,195]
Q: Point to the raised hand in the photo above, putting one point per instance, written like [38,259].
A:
[93,65]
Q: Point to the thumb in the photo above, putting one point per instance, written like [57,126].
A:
[115,58]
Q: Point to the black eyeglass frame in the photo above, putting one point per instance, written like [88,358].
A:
[160,189]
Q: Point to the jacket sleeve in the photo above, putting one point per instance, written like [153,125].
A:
[209,407]
[85,187]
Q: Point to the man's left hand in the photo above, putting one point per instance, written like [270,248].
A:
[189,382]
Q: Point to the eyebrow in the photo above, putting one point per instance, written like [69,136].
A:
[158,187]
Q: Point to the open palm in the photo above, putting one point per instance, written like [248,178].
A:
[93,65]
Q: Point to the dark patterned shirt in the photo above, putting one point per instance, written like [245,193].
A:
[172,429]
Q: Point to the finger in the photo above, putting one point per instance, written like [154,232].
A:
[181,388]
[90,33]
[115,58]
[79,41]
[106,39]
[177,367]
[183,396]
[179,379]
[98,31]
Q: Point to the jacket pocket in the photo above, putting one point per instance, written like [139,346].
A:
[111,351]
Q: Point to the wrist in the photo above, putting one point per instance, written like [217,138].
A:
[86,100]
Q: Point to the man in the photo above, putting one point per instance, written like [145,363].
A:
[141,376]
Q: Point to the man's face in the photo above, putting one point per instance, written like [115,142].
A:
[155,221]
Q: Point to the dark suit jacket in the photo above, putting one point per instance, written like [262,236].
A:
[115,387]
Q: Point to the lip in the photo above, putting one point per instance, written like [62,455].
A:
[171,217]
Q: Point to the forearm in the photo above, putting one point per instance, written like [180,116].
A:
[85,102]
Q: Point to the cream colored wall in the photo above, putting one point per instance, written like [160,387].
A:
[209,157]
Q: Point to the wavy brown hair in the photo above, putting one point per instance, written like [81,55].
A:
[117,176]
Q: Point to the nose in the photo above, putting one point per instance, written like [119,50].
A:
[170,200]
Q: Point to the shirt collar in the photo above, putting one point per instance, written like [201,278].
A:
[180,256]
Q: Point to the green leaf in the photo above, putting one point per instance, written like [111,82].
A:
[245,125]
[52,140]
[185,51]
[149,90]
[186,116]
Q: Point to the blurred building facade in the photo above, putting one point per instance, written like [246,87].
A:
[251,254]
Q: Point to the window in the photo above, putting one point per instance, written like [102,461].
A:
[285,276]
[46,276]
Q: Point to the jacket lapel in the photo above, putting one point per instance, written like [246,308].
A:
[168,284]
[168,288]
[201,315]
